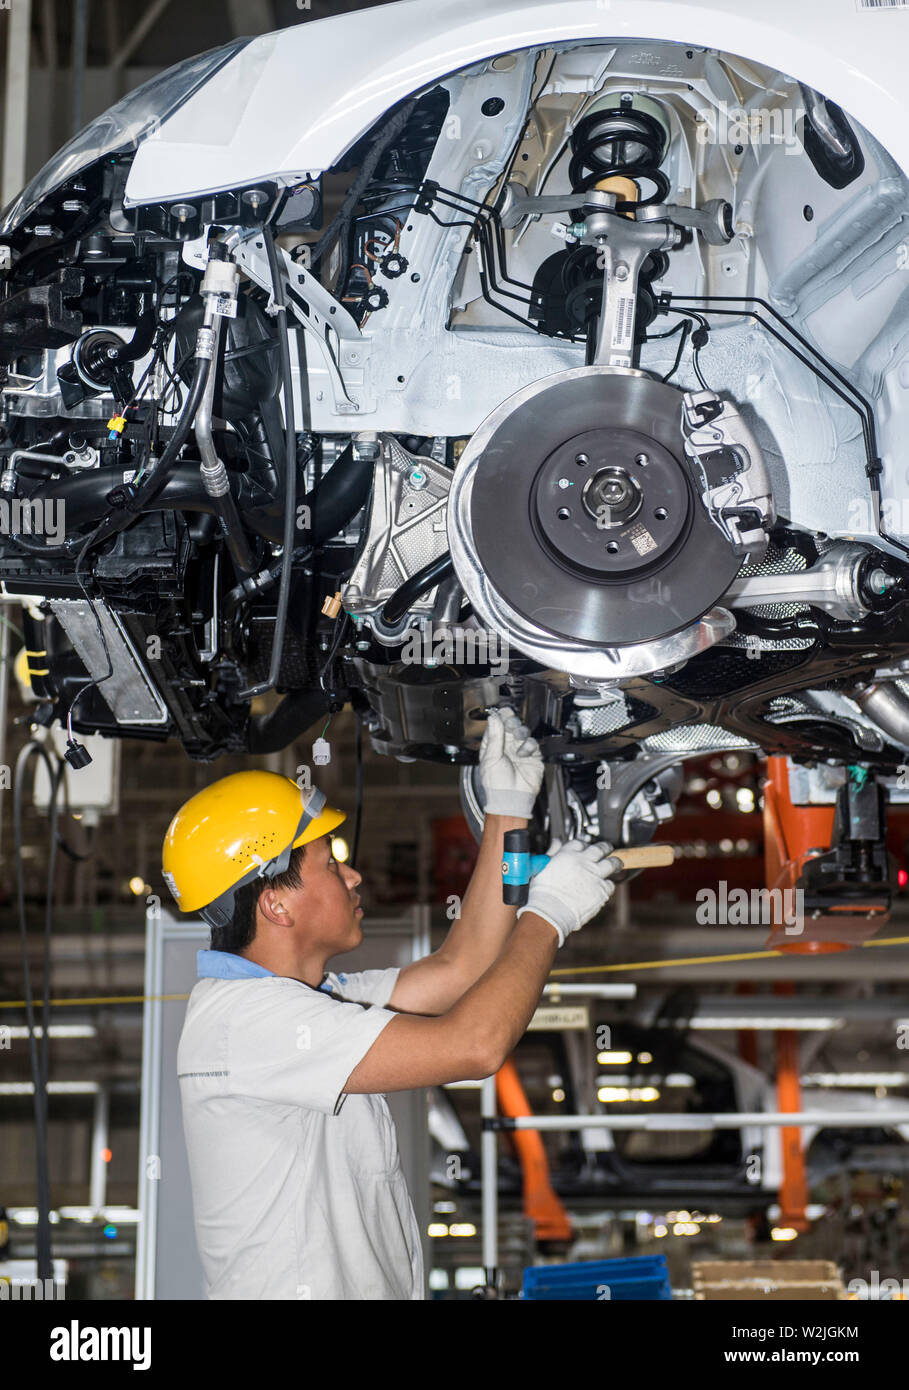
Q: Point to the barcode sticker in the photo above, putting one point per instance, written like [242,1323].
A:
[623,324]
[882,4]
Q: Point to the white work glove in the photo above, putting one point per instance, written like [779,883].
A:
[574,885]
[511,765]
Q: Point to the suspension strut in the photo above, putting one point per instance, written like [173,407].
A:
[617,148]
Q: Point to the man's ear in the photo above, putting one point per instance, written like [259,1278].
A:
[271,905]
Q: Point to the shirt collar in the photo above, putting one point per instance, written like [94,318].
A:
[226,965]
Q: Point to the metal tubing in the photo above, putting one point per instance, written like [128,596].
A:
[888,708]
[15,113]
[835,1119]
[489,1182]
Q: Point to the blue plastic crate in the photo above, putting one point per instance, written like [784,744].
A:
[636,1277]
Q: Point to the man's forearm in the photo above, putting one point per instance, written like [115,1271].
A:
[485,923]
[499,1006]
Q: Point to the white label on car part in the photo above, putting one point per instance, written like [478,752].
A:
[642,540]
[552,1017]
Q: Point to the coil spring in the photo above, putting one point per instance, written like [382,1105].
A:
[619,141]
[397,179]
[390,195]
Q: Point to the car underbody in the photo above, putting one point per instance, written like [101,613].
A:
[588,398]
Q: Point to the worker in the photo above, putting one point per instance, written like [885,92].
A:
[297,1186]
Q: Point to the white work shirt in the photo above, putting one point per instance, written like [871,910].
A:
[298,1191]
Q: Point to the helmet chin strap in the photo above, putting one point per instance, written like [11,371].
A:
[220,911]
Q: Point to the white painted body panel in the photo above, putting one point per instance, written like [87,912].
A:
[294,101]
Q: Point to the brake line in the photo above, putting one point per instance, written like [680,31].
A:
[847,392]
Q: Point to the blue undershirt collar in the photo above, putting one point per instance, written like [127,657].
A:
[225,965]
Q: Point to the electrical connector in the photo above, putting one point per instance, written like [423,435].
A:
[76,754]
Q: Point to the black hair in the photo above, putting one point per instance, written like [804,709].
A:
[241,930]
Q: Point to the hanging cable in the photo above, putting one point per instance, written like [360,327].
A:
[76,754]
[340,628]
[38,1063]
[358,809]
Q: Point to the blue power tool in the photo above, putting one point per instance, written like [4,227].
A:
[519,867]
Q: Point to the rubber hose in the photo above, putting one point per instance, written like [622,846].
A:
[424,579]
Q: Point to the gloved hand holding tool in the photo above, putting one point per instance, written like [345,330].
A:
[573,886]
[511,765]
[528,879]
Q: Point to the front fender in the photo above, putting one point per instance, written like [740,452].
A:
[293,102]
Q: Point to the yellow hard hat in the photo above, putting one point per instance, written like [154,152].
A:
[241,828]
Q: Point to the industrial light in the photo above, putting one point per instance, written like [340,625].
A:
[56,1030]
[613,1059]
[28,1216]
[137,885]
[558,1094]
[715,1023]
[436,1229]
[856,1078]
[444,1208]
[613,1094]
[126,1216]
[783,1233]
[715,798]
[685,1228]
[673,1079]
[660,1231]
[462,1228]
[60,1088]
[645,1057]
[744,798]
[340,849]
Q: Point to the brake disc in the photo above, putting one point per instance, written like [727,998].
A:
[584,514]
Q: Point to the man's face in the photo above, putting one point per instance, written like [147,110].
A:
[327,908]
